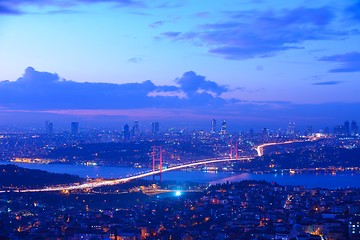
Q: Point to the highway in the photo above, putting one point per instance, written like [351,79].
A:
[260,148]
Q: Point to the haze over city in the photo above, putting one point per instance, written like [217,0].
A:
[254,63]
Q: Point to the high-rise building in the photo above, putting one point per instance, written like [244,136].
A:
[126,132]
[291,129]
[354,227]
[354,128]
[346,129]
[74,128]
[213,126]
[136,131]
[155,127]
[223,127]
[49,127]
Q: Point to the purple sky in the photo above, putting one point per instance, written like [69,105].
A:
[255,63]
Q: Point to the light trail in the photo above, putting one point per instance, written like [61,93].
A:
[260,149]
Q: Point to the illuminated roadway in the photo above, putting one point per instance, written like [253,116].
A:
[125,179]
[100,183]
[260,149]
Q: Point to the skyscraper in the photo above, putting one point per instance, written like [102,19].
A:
[49,127]
[155,127]
[354,128]
[291,129]
[213,126]
[136,128]
[126,132]
[346,129]
[223,127]
[74,128]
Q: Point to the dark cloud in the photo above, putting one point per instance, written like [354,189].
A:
[167,89]
[327,83]
[42,90]
[350,62]
[5,10]
[191,83]
[353,11]
[262,34]
[40,95]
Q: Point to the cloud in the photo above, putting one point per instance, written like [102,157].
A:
[5,10]
[250,34]
[135,60]
[353,11]
[156,24]
[38,96]
[37,90]
[14,6]
[171,34]
[327,83]
[191,84]
[259,67]
[350,62]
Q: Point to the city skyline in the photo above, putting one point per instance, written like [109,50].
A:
[253,63]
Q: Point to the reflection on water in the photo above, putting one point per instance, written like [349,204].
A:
[339,180]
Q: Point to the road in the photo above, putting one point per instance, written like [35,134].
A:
[260,148]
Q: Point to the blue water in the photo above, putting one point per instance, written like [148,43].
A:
[340,180]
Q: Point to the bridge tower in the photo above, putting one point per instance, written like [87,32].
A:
[157,159]
[234,150]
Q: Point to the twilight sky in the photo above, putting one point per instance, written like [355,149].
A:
[255,63]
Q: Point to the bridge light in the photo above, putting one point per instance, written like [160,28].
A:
[177,193]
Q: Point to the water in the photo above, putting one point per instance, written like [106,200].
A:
[339,180]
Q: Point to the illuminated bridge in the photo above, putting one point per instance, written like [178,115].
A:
[153,172]
[101,183]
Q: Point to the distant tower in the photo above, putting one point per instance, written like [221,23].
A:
[309,130]
[155,127]
[213,126]
[291,129]
[223,127]
[126,131]
[354,128]
[49,127]
[136,128]
[346,129]
[74,128]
